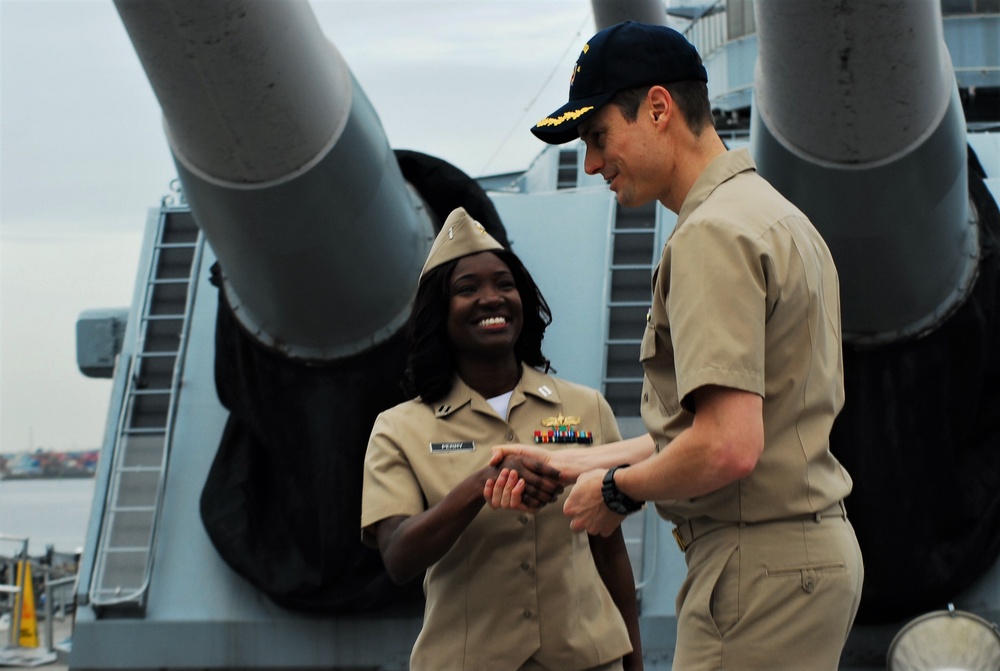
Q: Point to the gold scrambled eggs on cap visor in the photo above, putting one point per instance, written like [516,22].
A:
[564,117]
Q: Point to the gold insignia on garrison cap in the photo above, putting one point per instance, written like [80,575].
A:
[461,235]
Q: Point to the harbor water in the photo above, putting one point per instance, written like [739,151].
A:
[46,511]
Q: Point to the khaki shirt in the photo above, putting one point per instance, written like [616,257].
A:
[746,296]
[514,586]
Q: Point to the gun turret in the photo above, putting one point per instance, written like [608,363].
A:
[857,119]
[319,238]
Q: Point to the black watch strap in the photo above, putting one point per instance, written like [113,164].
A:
[615,499]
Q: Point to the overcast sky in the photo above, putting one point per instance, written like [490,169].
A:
[83,156]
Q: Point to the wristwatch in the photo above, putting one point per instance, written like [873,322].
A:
[613,498]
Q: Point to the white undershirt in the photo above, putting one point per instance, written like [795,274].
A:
[501,404]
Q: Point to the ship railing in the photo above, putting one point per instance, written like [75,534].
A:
[710,29]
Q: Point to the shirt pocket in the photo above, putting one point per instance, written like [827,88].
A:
[659,383]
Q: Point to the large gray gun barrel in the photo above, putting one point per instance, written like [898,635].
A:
[609,12]
[287,171]
[857,119]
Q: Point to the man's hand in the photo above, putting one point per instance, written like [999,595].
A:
[585,506]
[526,452]
[567,461]
[525,483]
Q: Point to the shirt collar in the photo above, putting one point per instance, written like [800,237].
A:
[722,168]
[532,383]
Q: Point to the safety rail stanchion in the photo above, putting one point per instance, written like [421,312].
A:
[13,591]
[51,587]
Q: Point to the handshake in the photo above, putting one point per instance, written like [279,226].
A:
[527,479]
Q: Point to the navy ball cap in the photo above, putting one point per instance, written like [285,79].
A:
[623,56]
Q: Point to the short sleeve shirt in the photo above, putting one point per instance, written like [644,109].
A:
[746,296]
[514,586]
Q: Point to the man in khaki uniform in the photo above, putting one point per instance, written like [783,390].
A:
[743,372]
[505,591]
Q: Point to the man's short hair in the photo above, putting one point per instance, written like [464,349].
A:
[691,97]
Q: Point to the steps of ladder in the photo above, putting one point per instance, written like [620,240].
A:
[121,572]
[630,273]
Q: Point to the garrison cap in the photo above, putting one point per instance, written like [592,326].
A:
[623,56]
[461,235]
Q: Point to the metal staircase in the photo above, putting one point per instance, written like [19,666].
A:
[567,170]
[155,364]
[632,258]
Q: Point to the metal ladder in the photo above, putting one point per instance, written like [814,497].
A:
[632,257]
[567,170]
[629,273]
[124,556]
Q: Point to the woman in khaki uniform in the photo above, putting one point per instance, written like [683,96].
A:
[505,590]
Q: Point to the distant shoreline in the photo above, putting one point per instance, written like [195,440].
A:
[48,465]
[48,476]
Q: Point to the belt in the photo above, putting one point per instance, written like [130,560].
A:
[695,528]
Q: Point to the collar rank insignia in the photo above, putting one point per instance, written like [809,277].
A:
[561,432]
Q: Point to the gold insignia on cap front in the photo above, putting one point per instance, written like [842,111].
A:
[461,235]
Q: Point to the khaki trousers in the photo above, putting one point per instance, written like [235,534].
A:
[775,596]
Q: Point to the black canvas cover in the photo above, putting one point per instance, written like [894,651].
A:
[920,435]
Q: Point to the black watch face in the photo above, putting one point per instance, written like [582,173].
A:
[616,506]
[612,501]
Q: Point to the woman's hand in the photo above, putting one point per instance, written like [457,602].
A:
[525,483]
[506,491]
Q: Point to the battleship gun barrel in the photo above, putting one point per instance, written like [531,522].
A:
[287,171]
[609,12]
[877,160]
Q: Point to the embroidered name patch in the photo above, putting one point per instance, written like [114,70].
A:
[466,446]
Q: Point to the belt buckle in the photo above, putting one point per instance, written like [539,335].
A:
[680,540]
